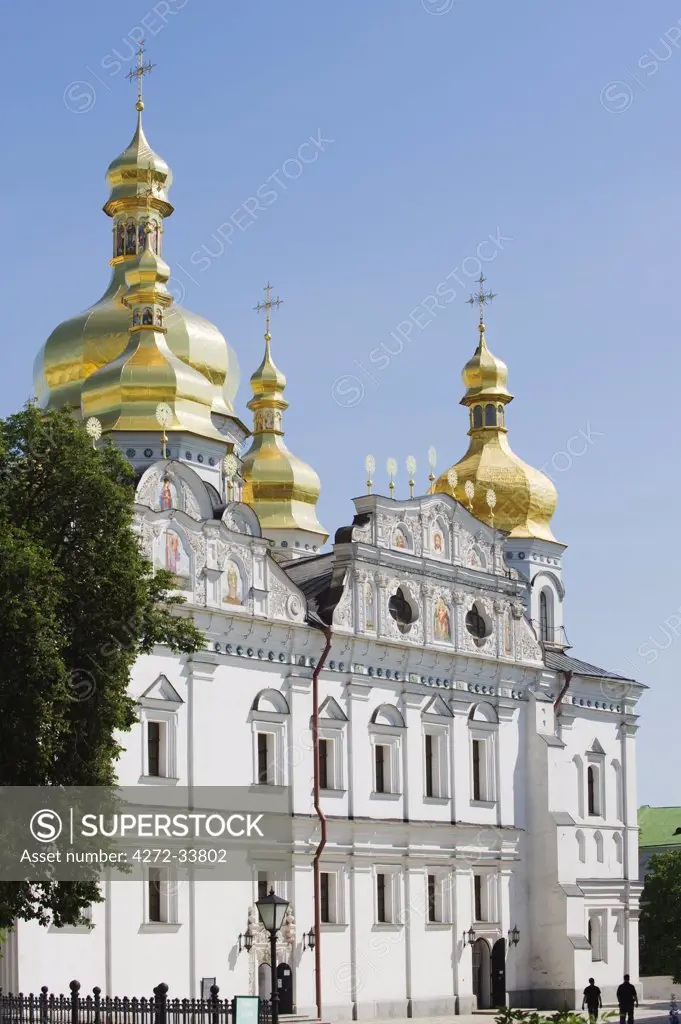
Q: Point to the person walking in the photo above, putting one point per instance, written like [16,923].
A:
[627,999]
[592,999]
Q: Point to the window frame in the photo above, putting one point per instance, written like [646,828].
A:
[389,737]
[391,897]
[165,891]
[484,735]
[262,722]
[439,769]
[168,724]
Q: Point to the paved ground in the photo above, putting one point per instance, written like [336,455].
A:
[647,1013]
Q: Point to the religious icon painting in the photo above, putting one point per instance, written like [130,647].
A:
[147,315]
[158,318]
[136,318]
[175,556]
[120,239]
[142,235]
[441,624]
[233,585]
[168,495]
[130,239]
[369,607]
[400,539]
[438,541]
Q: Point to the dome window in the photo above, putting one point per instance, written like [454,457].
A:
[477,416]
[490,416]
[402,611]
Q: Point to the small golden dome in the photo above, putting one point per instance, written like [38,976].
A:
[281,489]
[78,347]
[128,175]
[525,498]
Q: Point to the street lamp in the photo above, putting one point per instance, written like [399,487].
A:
[469,937]
[246,940]
[272,911]
[310,938]
[514,936]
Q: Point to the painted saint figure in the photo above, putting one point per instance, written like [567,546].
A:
[400,539]
[437,542]
[120,239]
[166,498]
[172,552]
[136,318]
[369,608]
[130,239]
[441,625]
[233,581]
[147,316]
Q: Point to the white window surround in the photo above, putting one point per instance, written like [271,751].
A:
[485,733]
[595,760]
[275,726]
[443,902]
[618,845]
[333,730]
[440,756]
[599,935]
[169,889]
[488,897]
[391,738]
[336,875]
[168,720]
[393,896]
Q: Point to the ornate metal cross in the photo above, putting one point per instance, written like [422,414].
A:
[268,305]
[481,298]
[139,72]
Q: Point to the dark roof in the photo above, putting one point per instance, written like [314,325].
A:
[564,663]
[314,577]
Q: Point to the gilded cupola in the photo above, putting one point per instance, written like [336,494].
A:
[281,488]
[139,181]
[525,498]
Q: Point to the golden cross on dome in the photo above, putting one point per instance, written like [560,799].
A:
[268,305]
[139,72]
[481,298]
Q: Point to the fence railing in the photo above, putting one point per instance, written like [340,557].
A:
[159,1008]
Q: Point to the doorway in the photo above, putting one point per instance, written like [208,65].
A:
[482,974]
[285,988]
[499,973]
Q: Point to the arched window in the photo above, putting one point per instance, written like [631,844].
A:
[581,846]
[617,843]
[546,615]
[120,239]
[402,611]
[477,416]
[130,238]
[598,840]
[490,416]
[592,790]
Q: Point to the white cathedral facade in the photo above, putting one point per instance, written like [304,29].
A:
[479,783]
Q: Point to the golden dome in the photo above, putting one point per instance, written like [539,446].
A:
[525,498]
[281,488]
[139,180]
[125,393]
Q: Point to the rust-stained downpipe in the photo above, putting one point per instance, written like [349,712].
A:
[328,633]
[566,687]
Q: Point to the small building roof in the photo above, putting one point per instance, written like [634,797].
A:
[564,663]
[658,826]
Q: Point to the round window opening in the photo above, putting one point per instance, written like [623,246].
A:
[477,626]
[402,611]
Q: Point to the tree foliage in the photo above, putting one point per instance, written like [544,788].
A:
[79,604]
[660,916]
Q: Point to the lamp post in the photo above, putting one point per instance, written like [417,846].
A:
[272,911]
[514,936]
[469,937]
[246,940]
[308,939]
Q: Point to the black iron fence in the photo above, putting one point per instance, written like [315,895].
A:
[159,1008]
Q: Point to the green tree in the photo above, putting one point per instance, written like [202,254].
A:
[660,915]
[79,604]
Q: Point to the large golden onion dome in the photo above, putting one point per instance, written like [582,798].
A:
[139,180]
[525,498]
[281,488]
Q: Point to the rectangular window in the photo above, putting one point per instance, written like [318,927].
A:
[154,740]
[264,741]
[380,899]
[263,885]
[477,890]
[155,896]
[324,773]
[479,773]
[593,795]
[324,887]
[432,901]
[430,757]
[380,753]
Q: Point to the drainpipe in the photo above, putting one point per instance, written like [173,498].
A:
[320,814]
[568,680]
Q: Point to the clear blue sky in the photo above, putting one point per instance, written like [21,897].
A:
[447,126]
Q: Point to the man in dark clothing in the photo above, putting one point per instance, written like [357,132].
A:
[592,999]
[627,999]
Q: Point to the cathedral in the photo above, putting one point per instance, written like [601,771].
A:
[477,782]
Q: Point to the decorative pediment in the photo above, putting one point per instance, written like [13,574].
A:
[331,709]
[240,518]
[436,706]
[173,486]
[161,694]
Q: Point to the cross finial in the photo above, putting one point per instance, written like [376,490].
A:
[268,305]
[481,298]
[139,72]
